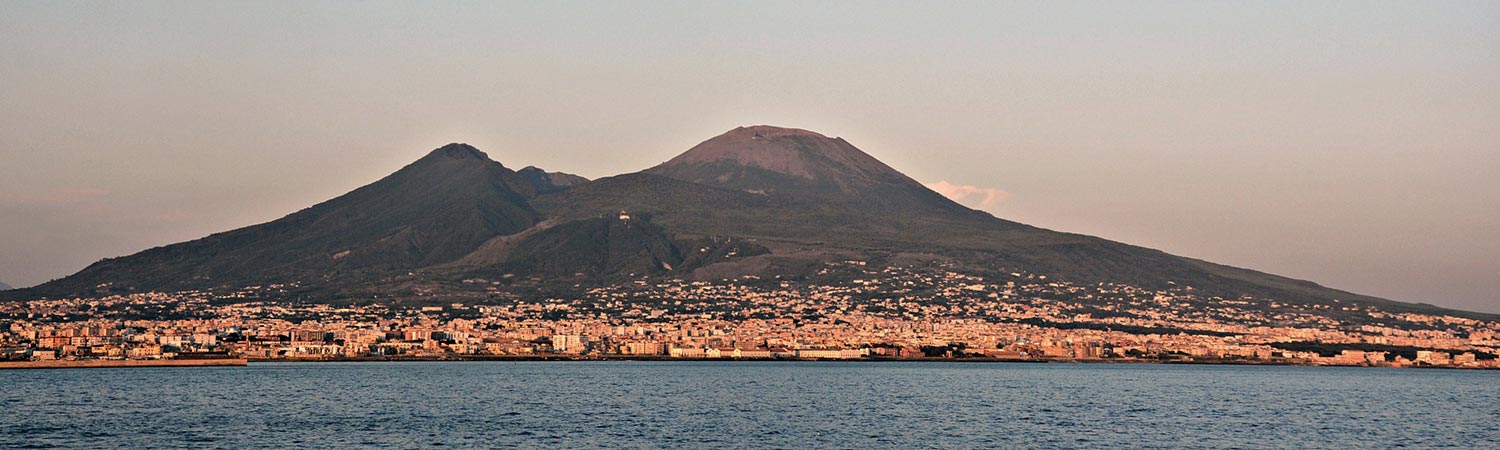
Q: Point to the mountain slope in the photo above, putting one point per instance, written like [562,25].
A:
[598,247]
[436,209]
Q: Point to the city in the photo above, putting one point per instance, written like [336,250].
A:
[853,311]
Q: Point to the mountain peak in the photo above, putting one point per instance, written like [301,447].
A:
[458,151]
[792,152]
[764,158]
[802,164]
[544,181]
[771,131]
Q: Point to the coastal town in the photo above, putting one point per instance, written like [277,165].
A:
[852,312]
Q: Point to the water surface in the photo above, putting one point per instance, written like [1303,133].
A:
[748,404]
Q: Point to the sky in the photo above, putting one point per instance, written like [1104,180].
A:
[1356,144]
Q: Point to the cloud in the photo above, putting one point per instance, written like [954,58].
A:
[972,196]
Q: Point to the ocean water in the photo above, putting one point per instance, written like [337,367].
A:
[748,405]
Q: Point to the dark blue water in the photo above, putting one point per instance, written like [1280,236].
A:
[786,405]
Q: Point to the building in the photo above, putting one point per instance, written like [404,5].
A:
[569,343]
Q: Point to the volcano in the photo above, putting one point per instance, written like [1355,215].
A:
[761,200]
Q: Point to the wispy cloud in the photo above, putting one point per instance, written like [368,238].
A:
[972,196]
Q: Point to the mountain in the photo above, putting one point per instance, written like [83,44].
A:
[434,210]
[544,181]
[757,200]
[5,287]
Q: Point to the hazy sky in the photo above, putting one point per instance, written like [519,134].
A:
[1354,144]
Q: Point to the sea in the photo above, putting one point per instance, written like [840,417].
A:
[665,404]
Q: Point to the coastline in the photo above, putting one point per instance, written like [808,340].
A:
[114,363]
[595,358]
[242,362]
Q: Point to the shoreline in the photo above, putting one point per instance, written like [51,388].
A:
[115,363]
[598,358]
[243,362]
